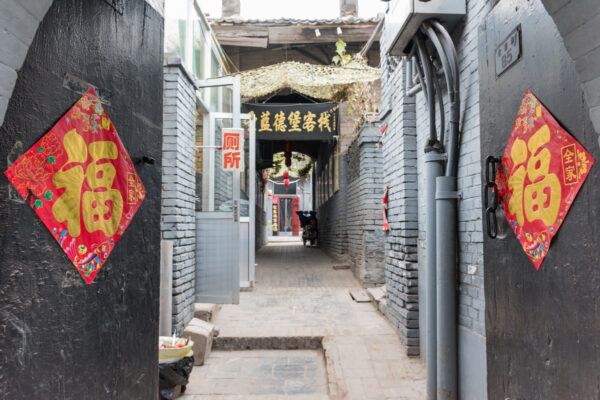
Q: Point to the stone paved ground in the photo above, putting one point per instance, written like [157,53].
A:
[260,374]
[299,294]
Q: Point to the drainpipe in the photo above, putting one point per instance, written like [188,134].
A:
[446,227]
[434,168]
[446,197]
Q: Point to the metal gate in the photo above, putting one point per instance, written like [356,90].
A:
[225,217]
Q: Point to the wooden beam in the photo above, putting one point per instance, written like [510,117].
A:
[243,29]
[254,35]
[243,41]
[299,34]
[242,35]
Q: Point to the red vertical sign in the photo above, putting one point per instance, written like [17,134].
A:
[232,149]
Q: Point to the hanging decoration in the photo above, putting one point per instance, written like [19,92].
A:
[541,172]
[81,182]
[318,81]
[386,226]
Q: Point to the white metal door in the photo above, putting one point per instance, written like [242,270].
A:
[218,220]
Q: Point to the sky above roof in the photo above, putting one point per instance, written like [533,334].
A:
[305,9]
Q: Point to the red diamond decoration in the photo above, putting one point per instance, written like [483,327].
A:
[541,172]
[82,184]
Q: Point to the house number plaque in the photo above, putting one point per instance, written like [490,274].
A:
[509,51]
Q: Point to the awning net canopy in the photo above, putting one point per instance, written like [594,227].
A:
[317,81]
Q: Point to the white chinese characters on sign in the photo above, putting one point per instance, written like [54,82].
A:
[233,149]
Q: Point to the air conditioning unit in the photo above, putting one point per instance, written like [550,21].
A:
[404,18]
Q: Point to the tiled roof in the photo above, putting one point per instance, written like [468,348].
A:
[348,20]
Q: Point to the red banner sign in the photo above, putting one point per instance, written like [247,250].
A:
[233,149]
[542,169]
[82,184]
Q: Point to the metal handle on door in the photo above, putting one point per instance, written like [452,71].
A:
[491,192]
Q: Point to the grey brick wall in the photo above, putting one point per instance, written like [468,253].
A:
[179,185]
[404,171]
[332,216]
[399,148]
[364,210]
[350,223]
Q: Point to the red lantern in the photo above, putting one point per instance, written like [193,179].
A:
[286,175]
[286,182]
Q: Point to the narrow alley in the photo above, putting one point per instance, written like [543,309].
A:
[304,200]
[301,303]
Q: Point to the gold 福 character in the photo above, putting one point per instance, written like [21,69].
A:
[540,199]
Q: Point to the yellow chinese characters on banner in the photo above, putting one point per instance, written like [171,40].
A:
[82,184]
[309,122]
[542,169]
[302,121]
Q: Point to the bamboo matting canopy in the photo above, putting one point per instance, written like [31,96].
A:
[317,81]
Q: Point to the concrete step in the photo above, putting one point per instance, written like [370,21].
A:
[359,295]
[268,343]
[206,311]
[376,294]
[202,334]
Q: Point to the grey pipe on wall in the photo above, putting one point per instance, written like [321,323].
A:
[441,203]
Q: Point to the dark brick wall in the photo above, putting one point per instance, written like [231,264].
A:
[178,215]
[399,148]
[364,214]
[332,216]
[350,223]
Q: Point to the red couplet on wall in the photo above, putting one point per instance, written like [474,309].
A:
[384,203]
[295,219]
[82,184]
[542,169]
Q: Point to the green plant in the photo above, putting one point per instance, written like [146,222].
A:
[362,97]
[341,58]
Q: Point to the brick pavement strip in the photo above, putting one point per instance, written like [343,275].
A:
[301,302]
